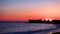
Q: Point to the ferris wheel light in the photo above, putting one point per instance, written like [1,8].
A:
[46,19]
[50,19]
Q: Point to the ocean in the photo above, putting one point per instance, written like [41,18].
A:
[27,28]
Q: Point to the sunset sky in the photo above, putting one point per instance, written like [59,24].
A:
[29,9]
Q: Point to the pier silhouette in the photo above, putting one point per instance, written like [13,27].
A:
[44,21]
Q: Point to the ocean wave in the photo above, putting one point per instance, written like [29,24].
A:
[28,27]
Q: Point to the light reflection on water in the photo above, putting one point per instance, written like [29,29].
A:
[25,27]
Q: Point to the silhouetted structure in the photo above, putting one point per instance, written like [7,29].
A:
[40,21]
[35,21]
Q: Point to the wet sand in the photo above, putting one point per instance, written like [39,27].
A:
[54,31]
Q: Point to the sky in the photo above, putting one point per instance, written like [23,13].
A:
[29,9]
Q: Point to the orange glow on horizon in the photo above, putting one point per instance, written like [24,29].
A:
[38,12]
